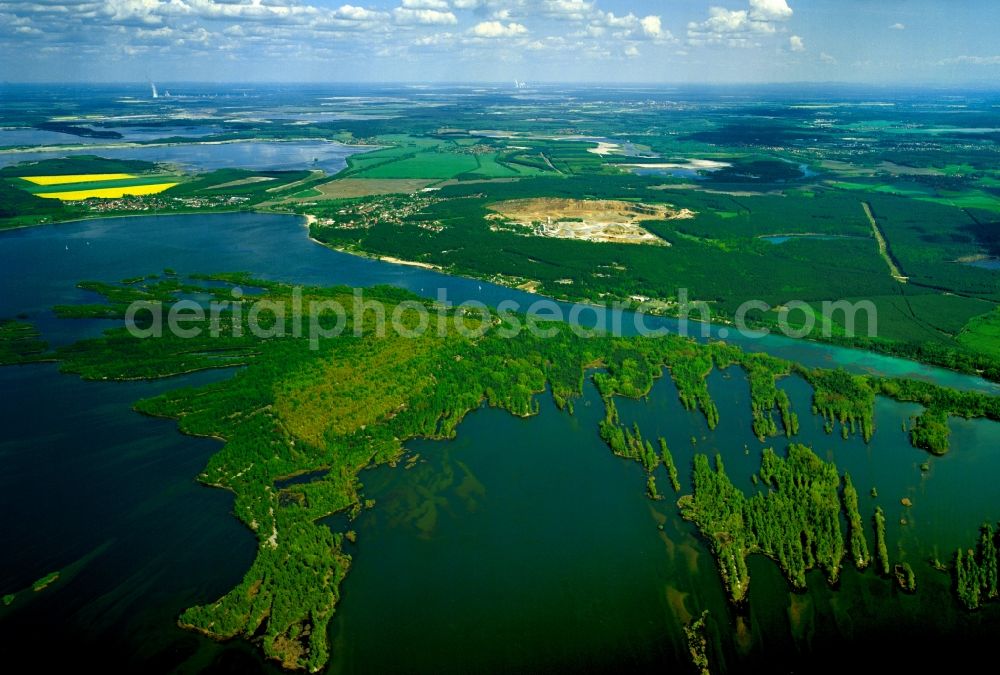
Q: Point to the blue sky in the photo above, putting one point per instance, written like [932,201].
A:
[877,41]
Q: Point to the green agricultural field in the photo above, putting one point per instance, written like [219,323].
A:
[493,165]
[917,315]
[241,182]
[982,334]
[424,164]
[411,158]
[398,147]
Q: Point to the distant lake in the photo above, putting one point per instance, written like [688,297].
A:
[141,133]
[329,156]
[26,136]
[15,137]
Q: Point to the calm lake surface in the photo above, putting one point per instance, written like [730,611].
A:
[24,136]
[520,546]
[329,156]
[14,137]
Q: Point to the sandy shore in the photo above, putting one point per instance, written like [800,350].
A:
[310,219]
[410,263]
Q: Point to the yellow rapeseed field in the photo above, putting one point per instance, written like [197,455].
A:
[76,178]
[107,193]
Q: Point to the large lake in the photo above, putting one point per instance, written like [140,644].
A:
[521,546]
[329,156]
[27,136]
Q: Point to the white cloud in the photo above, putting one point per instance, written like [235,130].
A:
[827,58]
[252,10]
[571,10]
[425,17]
[133,11]
[770,10]
[725,25]
[495,29]
[609,19]
[352,13]
[435,40]
[652,26]
[627,27]
[426,4]
[300,31]
[898,26]
[739,27]
[720,20]
[796,43]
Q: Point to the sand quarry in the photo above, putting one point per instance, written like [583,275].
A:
[603,220]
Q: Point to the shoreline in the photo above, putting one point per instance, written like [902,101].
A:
[308,219]
[115,216]
[986,384]
[311,219]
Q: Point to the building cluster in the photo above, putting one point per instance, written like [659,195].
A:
[386,210]
[159,203]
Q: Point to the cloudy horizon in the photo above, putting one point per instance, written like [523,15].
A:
[625,41]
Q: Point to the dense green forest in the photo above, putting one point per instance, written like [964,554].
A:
[976,570]
[859,544]
[881,549]
[796,522]
[668,461]
[18,208]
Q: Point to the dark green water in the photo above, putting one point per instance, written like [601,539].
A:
[107,497]
[525,546]
[521,546]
